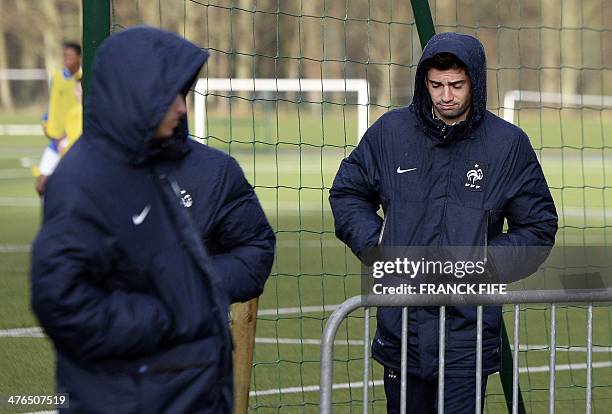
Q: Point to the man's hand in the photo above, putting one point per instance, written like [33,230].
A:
[44,128]
[41,180]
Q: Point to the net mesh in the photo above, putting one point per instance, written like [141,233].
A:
[290,145]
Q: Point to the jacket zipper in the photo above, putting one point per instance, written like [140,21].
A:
[486,235]
[446,192]
[382,230]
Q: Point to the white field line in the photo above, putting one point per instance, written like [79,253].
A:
[310,206]
[358,342]
[36,332]
[296,310]
[564,367]
[295,206]
[565,348]
[307,166]
[20,129]
[378,383]
[591,161]
[19,153]
[293,341]
[33,332]
[27,162]
[19,202]
[9,174]
[317,244]
[44,412]
[312,388]
[269,207]
[324,244]
[589,212]
[15,248]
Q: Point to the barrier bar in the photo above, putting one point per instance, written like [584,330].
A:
[441,362]
[404,360]
[515,361]
[327,351]
[478,359]
[516,298]
[552,358]
[366,358]
[589,378]
[522,297]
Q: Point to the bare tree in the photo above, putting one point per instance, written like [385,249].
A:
[6,95]
[570,47]
[351,38]
[52,38]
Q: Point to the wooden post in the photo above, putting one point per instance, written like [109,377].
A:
[244,320]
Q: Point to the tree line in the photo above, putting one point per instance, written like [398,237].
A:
[549,45]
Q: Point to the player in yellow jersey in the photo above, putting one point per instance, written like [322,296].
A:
[73,124]
[61,99]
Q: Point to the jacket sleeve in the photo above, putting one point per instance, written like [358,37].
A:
[531,215]
[242,239]
[83,318]
[354,196]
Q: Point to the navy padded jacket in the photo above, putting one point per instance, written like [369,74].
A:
[432,205]
[145,243]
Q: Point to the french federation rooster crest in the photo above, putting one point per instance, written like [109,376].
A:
[475,175]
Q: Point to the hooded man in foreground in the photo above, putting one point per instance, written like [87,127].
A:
[446,172]
[147,238]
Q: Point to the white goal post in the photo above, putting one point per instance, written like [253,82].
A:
[511,97]
[206,85]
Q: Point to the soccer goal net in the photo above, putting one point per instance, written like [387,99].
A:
[289,88]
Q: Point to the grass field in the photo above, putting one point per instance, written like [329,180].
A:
[291,159]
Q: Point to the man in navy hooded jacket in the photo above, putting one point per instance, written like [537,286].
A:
[146,239]
[447,173]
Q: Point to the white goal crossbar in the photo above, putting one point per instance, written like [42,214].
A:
[514,96]
[24,74]
[205,85]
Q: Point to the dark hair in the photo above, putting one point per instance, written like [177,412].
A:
[74,46]
[444,61]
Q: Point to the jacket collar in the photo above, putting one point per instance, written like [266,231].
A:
[440,132]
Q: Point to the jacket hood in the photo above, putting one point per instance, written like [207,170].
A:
[471,52]
[136,75]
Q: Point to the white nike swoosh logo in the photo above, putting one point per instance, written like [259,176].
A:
[137,219]
[400,171]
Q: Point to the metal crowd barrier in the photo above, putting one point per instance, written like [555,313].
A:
[516,298]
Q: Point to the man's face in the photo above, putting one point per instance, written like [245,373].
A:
[172,118]
[451,94]
[72,60]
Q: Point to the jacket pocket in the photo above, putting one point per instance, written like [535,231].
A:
[405,224]
[464,226]
[180,285]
